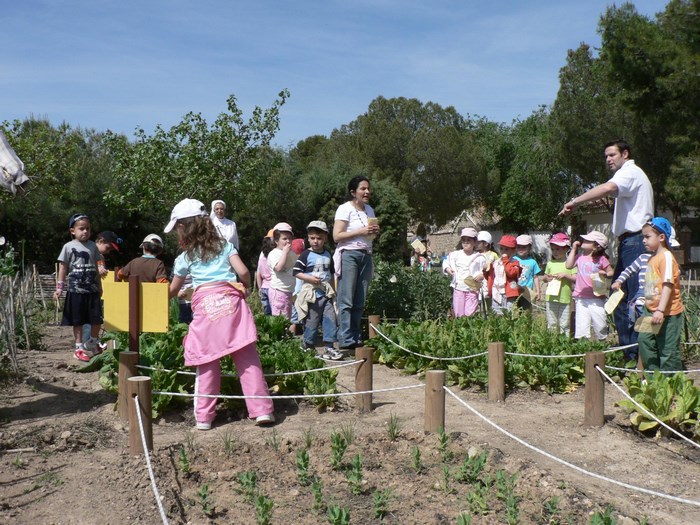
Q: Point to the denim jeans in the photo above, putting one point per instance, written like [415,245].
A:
[627,251]
[265,300]
[321,313]
[356,271]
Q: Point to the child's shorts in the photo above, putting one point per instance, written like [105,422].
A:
[82,308]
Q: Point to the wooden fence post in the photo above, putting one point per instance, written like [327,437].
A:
[364,378]
[134,312]
[434,416]
[139,386]
[127,369]
[373,320]
[594,391]
[497,372]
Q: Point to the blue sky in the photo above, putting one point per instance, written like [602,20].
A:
[125,64]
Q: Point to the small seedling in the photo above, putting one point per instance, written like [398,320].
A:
[338,447]
[205,500]
[229,442]
[394,427]
[190,441]
[348,432]
[416,464]
[606,518]
[263,509]
[445,481]
[443,446]
[354,475]
[309,437]
[303,467]
[317,490]
[477,500]
[464,518]
[338,515]
[381,500]
[184,462]
[471,468]
[19,462]
[249,484]
[550,509]
[273,440]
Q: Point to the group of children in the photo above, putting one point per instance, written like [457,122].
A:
[580,270]
[297,282]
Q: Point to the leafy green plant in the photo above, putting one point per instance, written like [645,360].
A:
[263,509]
[446,480]
[205,500]
[317,491]
[19,462]
[248,482]
[477,500]
[604,518]
[464,518]
[303,474]
[416,462]
[229,442]
[354,475]
[550,511]
[381,499]
[446,454]
[347,430]
[338,447]
[393,427]
[308,437]
[674,400]
[184,462]
[338,515]
[471,468]
[505,491]
[273,440]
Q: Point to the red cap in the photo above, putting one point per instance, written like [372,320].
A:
[298,246]
[507,241]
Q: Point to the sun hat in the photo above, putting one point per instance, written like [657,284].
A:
[270,233]
[673,242]
[484,236]
[77,217]
[523,240]
[597,237]
[111,238]
[662,225]
[319,225]
[507,241]
[184,209]
[560,239]
[152,238]
[283,227]
[298,246]
[469,232]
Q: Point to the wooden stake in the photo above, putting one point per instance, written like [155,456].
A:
[139,386]
[134,312]
[376,321]
[497,372]
[434,417]
[364,378]
[594,392]
[127,370]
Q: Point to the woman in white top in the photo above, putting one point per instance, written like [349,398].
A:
[226,227]
[354,229]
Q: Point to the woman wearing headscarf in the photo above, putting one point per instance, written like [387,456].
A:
[226,227]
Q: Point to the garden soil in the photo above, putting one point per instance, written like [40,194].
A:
[64,458]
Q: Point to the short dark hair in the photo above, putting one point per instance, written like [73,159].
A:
[621,144]
[153,248]
[354,184]
[317,231]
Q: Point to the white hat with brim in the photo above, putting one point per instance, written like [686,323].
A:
[597,237]
[184,209]
[153,238]
[283,227]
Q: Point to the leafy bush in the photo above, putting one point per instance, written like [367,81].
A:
[400,292]
[471,335]
[279,353]
[674,400]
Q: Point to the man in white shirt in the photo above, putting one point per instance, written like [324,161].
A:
[634,207]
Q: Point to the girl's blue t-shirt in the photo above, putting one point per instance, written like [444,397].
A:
[530,269]
[214,270]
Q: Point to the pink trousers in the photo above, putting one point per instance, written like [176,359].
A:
[253,383]
[280,302]
[465,303]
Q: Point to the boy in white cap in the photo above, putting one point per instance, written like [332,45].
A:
[466,266]
[314,268]
[148,267]
[528,278]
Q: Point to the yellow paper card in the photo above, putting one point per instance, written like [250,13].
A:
[644,326]
[554,287]
[154,305]
[614,300]
[418,246]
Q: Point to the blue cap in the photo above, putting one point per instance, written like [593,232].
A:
[662,225]
[75,218]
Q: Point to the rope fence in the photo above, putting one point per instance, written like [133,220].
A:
[281,374]
[568,464]
[291,396]
[638,370]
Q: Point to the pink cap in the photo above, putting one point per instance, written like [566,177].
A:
[283,227]
[523,240]
[469,232]
[597,237]
[560,239]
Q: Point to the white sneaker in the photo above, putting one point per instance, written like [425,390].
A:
[267,419]
[203,425]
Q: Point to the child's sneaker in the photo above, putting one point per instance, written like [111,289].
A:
[203,425]
[94,347]
[266,419]
[80,354]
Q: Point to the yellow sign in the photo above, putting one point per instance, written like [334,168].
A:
[154,305]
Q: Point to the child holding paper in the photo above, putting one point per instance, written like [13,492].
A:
[559,281]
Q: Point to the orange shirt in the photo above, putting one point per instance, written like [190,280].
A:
[663,268]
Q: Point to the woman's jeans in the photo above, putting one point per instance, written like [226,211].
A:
[355,273]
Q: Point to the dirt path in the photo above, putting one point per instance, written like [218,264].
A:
[77,469]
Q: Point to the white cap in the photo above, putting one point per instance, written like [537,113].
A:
[152,237]
[283,227]
[523,240]
[673,242]
[184,209]
[319,225]
[484,236]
